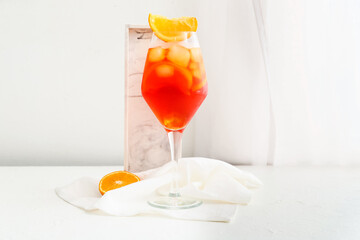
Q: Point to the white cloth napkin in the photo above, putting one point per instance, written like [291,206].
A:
[220,185]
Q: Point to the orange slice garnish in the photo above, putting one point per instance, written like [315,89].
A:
[172,30]
[116,180]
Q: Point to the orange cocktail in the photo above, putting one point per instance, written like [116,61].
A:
[174,86]
[174,83]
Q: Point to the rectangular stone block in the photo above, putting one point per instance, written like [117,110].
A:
[146,142]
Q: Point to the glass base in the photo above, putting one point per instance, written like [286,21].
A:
[174,202]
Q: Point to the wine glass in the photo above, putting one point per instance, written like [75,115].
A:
[174,86]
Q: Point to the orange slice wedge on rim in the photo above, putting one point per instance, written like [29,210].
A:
[116,180]
[172,30]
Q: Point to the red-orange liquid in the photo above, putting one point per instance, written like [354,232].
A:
[174,85]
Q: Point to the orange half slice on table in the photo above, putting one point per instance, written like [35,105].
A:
[116,180]
[171,30]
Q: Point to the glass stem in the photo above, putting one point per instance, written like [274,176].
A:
[175,148]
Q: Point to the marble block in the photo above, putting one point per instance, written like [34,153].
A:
[146,142]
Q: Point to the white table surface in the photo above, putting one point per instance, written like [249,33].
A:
[295,203]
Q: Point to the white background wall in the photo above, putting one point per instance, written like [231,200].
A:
[314,66]
[314,56]
[62,78]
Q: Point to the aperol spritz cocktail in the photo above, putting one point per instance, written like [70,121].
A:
[174,85]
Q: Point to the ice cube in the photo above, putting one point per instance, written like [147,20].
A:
[193,65]
[195,54]
[165,70]
[156,54]
[198,84]
[179,55]
[196,73]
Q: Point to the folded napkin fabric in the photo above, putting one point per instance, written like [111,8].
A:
[220,185]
